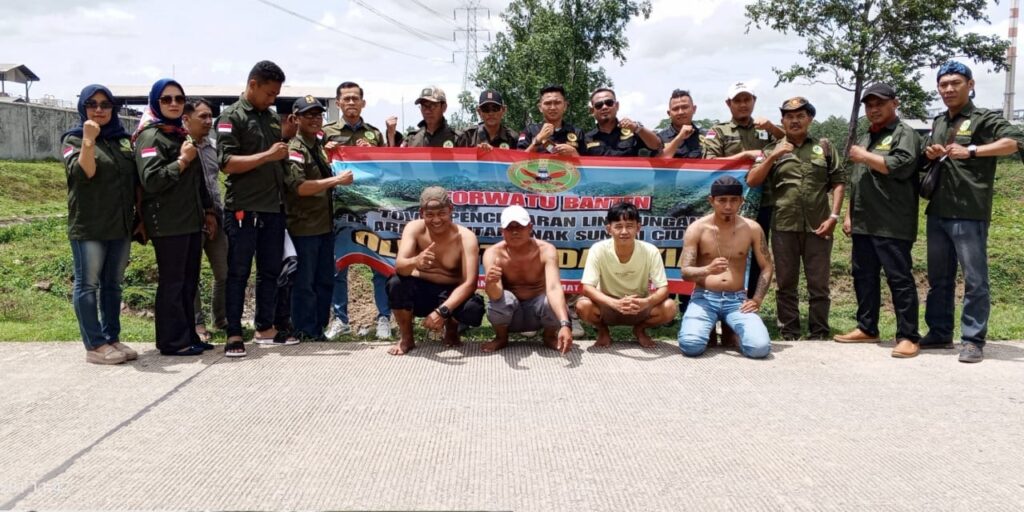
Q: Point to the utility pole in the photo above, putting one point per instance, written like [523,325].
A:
[472,50]
[1011,61]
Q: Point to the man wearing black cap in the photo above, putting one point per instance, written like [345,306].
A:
[715,249]
[882,219]
[801,173]
[309,182]
[614,136]
[966,141]
[434,131]
[554,135]
[491,132]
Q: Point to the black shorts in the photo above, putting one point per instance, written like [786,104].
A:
[423,297]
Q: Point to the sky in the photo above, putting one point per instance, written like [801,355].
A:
[393,48]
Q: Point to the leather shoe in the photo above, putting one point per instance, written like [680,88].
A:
[856,336]
[905,349]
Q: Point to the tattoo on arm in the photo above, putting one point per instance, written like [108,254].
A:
[764,249]
[763,282]
[688,261]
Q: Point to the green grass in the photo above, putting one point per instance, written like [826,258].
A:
[38,251]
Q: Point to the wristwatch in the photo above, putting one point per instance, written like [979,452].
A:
[972,150]
[444,311]
[565,323]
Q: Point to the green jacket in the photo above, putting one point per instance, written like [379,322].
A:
[965,187]
[345,135]
[477,135]
[800,182]
[886,204]
[173,201]
[243,130]
[728,139]
[308,215]
[101,207]
[444,137]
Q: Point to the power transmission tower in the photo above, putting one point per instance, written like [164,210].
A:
[1011,60]
[472,49]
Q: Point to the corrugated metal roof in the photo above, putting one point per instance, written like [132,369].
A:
[17,73]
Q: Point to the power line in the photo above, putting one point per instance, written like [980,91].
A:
[430,38]
[342,32]
[435,13]
[472,51]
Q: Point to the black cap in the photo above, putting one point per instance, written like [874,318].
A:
[726,186]
[883,91]
[798,103]
[491,96]
[305,104]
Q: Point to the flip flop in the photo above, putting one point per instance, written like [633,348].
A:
[231,347]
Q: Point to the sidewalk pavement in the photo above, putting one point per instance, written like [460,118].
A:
[818,426]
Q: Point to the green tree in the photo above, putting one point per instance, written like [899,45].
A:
[556,42]
[463,115]
[852,43]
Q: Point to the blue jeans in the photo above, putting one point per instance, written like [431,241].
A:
[261,235]
[99,270]
[952,241]
[339,300]
[314,281]
[707,307]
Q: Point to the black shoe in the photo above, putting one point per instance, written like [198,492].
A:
[971,353]
[930,342]
[204,345]
[191,350]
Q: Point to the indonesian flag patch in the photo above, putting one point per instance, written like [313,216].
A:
[67,151]
[148,152]
[319,135]
[224,127]
[295,156]
[711,134]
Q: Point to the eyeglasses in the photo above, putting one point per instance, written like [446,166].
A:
[606,103]
[490,108]
[311,115]
[102,105]
[167,100]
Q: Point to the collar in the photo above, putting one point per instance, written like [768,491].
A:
[245,103]
[968,109]
[440,128]
[205,141]
[354,127]
[735,124]
[305,142]
[890,127]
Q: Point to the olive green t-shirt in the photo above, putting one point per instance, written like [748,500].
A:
[242,130]
[101,207]
[800,182]
[965,186]
[307,215]
[886,204]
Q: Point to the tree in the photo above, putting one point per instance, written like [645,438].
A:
[556,42]
[853,43]
[464,116]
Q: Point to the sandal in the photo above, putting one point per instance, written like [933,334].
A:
[284,338]
[234,349]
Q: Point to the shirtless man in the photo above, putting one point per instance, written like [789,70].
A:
[715,258]
[435,274]
[617,278]
[523,285]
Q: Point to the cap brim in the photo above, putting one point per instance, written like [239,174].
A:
[490,102]
[737,93]
[876,94]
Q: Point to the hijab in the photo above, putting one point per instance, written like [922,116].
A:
[112,130]
[153,116]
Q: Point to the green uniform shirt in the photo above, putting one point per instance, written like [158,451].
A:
[473,137]
[307,215]
[728,139]
[799,182]
[965,186]
[101,207]
[444,137]
[339,131]
[886,204]
[242,130]
[172,201]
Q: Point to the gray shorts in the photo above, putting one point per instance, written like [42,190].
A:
[520,316]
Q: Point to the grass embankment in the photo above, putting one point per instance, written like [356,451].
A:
[37,252]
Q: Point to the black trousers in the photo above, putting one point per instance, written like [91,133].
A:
[177,263]
[422,297]
[871,255]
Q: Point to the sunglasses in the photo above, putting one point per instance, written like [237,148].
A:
[606,103]
[102,105]
[490,108]
[167,100]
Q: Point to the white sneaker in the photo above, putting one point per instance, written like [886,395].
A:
[577,329]
[383,328]
[337,328]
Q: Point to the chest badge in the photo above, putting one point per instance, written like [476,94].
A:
[448,144]
[571,137]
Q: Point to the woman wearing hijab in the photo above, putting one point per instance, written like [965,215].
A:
[101,209]
[175,209]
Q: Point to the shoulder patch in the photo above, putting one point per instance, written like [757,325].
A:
[148,152]
[224,127]
[296,156]
[68,151]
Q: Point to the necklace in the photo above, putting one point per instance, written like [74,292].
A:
[718,242]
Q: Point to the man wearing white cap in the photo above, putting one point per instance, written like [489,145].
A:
[523,285]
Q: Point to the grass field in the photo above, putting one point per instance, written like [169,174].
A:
[36,266]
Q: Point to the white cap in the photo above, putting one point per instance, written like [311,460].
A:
[514,213]
[737,88]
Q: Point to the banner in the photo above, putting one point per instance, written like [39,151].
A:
[566,197]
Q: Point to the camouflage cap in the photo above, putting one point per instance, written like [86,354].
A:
[431,93]
[434,194]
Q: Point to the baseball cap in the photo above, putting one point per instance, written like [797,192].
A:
[737,88]
[434,194]
[305,104]
[431,93]
[514,213]
[882,90]
[798,103]
[491,96]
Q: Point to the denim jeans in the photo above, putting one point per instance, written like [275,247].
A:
[953,241]
[707,307]
[314,282]
[339,300]
[96,296]
[261,235]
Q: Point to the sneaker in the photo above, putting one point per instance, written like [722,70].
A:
[970,353]
[337,328]
[105,354]
[577,328]
[383,328]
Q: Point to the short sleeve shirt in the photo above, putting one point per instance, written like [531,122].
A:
[800,182]
[604,270]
